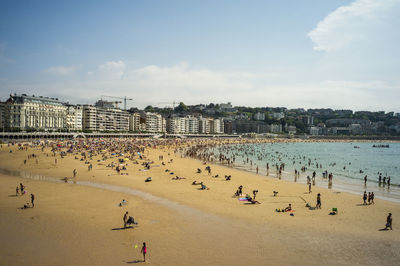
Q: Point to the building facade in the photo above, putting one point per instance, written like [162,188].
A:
[74,117]
[154,122]
[105,119]
[25,112]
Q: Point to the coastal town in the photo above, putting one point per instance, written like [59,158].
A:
[30,113]
[196,133]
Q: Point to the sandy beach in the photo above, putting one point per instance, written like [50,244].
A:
[72,223]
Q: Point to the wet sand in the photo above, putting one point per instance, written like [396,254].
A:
[182,225]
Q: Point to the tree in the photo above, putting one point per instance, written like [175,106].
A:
[149,108]
[133,110]
[300,125]
[181,108]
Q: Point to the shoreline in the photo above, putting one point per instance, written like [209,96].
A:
[342,182]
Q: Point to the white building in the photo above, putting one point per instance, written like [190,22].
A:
[191,125]
[356,129]
[74,117]
[32,112]
[259,116]
[275,128]
[226,107]
[176,125]
[134,122]
[204,125]
[314,131]
[216,126]
[105,119]
[278,115]
[154,122]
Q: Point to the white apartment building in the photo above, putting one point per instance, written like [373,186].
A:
[204,125]
[74,117]
[275,128]
[278,115]
[154,122]
[134,122]
[191,125]
[314,131]
[33,112]
[105,119]
[176,125]
[259,116]
[216,126]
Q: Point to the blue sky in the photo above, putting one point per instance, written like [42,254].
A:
[338,54]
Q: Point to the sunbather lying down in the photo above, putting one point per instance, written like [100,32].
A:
[251,200]
[148,179]
[178,178]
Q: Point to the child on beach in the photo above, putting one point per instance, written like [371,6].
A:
[144,251]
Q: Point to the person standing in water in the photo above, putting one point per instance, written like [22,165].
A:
[144,251]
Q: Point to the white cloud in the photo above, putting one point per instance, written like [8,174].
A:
[351,23]
[61,70]
[112,69]
[154,84]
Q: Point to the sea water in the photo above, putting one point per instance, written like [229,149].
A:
[343,159]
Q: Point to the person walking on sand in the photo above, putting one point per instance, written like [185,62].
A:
[389,222]
[318,201]
[365,197]
[372,197]
[144,251]
[17,191]
[309,188]
[74,172]
[125,219]
[33,200]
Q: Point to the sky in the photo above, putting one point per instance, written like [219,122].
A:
[340,54]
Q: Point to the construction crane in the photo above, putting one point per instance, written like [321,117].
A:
[123,98]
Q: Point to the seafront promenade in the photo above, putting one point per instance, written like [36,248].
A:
[14,136]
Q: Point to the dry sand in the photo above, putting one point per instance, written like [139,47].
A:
[72,224]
